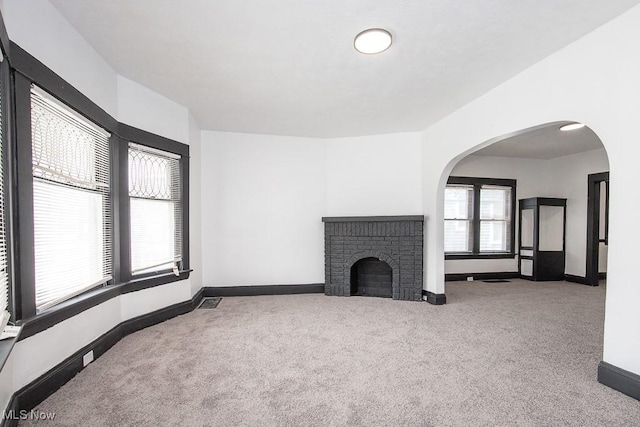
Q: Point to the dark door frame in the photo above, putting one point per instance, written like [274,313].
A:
[593,224]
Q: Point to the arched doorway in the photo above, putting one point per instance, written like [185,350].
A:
[543,161]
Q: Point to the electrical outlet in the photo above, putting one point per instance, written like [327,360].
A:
[469,278]
[87,358]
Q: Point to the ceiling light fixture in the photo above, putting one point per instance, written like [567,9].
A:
[372,41]
[572,126]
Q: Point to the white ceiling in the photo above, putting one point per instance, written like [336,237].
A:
[288,67]
[545,142]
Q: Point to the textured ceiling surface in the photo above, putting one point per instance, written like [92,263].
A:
[288,67]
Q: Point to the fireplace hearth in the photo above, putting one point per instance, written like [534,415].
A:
[379,256]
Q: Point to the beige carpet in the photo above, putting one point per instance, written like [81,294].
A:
[516,353]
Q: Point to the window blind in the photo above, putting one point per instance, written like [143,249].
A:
[458,215]
[495,218]
[71,201]
[4,274]
[155,209]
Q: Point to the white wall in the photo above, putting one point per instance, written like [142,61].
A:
[569,180]
[564,177]
[374,175]
[264,196]
[262,201]
[37,354]
[38,27]
[145,109]
[195,202]
[594,81]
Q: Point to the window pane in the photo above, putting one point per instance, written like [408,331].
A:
[152,235]
[68,237]
[604,202]
[149,175]
[527,228]
[495,202]
[458,202]
[457,236]
[71,199]
[156,209]
[493,236]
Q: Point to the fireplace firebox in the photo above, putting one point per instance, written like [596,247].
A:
[378,256]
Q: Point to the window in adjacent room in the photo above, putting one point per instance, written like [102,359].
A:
[71,201]
[156,210]
[458,218]
[495,218]
[479,216]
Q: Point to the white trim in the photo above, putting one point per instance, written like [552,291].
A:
[149,268]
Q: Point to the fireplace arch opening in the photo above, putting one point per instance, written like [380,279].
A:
[372,277]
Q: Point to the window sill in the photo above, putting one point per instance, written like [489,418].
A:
[494,255]
[145,282]
[90,299]
[5,349]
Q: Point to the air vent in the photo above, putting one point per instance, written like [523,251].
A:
[210,302]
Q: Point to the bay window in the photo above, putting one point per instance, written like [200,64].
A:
[92,214]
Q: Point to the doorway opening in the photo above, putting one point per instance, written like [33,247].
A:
[597,227]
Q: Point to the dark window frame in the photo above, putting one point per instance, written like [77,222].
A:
[138,136]
[477,184]
[25,71]
[6,88]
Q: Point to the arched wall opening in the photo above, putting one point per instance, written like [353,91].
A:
[580,176]
[481,190]
[567,84]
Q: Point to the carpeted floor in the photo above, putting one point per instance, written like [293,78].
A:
[518,353]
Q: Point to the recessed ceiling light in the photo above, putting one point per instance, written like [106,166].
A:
[373,40]
[572,126]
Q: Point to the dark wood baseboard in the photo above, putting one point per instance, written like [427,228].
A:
[454,277]
[618,379]
[577,279]
[435,299]
[602,276]
[31,395]
[245,291]
[11,414]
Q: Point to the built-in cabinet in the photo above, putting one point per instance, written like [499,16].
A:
[542,238]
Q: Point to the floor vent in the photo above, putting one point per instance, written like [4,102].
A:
[496,281]
[210,302]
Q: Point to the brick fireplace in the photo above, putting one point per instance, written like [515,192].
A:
[374,256]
